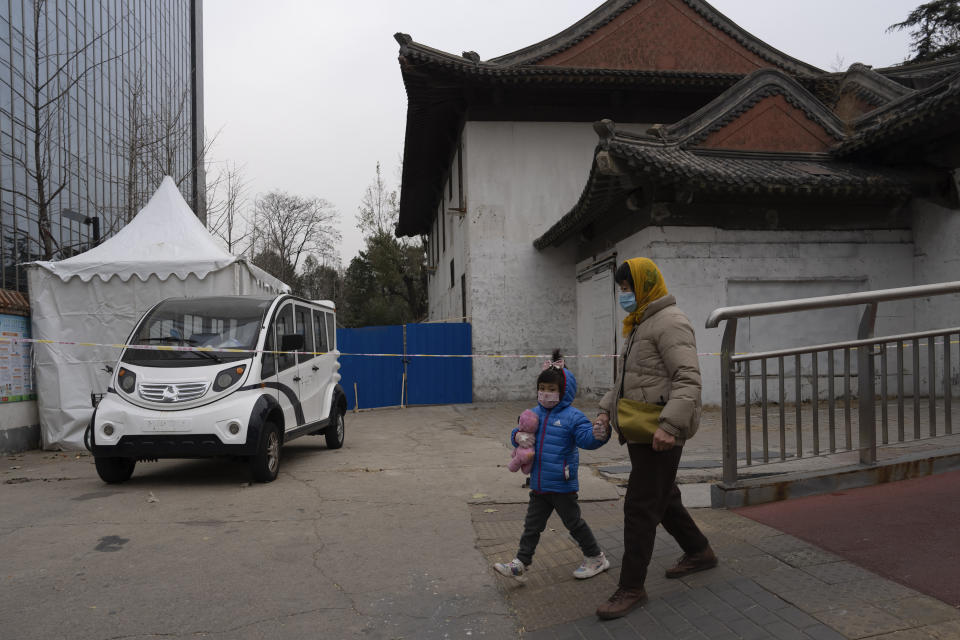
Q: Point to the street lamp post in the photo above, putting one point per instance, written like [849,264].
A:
[76,216]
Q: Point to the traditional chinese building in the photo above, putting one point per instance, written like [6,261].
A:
[661,128]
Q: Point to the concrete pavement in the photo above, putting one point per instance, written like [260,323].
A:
[373,540]
[392,537]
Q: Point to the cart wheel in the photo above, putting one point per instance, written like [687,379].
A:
[114,470]
[335,432]
[265,464]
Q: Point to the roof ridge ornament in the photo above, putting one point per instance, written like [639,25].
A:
[869,85]
[657,131]
[403,39]
[472,56]
[606,129]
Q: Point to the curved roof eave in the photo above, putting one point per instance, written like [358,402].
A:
[419,57]
[741,97]
[651,161]
[904,117]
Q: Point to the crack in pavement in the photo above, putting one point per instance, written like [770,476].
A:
[154,524]
[285,616]
[411,467]
[24,480]
[336,585]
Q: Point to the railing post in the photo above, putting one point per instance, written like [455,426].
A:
[865,371]
[728,393]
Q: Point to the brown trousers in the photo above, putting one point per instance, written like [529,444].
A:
[653,498]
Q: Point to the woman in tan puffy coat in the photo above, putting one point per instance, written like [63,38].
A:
[660,367]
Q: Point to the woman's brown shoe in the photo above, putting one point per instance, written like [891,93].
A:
[621,603]
[691,563]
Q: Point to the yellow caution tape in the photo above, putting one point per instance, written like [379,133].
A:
[153,347]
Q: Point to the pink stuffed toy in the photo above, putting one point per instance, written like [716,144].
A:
[522,457]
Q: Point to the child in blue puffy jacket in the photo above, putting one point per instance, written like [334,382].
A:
[563,431]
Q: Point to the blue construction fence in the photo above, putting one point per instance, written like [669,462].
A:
[378,381]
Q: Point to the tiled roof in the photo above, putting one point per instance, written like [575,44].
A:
[920,75]
[423,59]
[741,98]
[915,114]
[872,87]
[14,302]
[610,10]
[438,85]
[441,88]
[710,172]
[757,173]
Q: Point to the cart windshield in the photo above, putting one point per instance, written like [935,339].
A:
[226,322]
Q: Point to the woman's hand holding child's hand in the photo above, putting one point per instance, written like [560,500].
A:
[601,427]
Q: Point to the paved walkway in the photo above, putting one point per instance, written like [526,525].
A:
[770,584]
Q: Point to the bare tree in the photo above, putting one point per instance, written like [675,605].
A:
[292,227]
[151,146]
[133,148]
[226,199]
[171,133]
[170,125]
[50,75]
[379,208]
[838,63]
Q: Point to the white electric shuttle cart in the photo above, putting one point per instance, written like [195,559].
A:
[226,394]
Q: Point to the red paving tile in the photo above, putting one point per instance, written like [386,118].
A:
[907,531]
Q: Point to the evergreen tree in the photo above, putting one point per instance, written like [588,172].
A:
[934,30]
[320,281]
[387,283]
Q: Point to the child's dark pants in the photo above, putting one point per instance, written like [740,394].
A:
[538,512]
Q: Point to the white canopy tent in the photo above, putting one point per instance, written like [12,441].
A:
[97,296]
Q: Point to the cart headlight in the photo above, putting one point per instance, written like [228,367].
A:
[127,380]
[108,429]
[228,377]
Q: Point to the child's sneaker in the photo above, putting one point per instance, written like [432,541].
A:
[513,569]
[592,566]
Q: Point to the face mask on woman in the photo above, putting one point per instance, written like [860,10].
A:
[628,301]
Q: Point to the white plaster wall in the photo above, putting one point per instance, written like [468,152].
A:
[18,414]
[521,177]
[706,267]
[936,232]
[448,234]
[19,426]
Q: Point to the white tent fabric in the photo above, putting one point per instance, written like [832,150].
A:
[94,297]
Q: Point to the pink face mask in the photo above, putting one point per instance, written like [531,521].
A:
[548,399]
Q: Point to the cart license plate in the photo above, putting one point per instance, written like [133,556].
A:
[166,424]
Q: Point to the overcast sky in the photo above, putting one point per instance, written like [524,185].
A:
[307,94]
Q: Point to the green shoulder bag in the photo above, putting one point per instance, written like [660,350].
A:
[636,421]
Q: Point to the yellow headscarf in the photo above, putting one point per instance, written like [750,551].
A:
[648,285]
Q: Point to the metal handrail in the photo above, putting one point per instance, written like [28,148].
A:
[729,358]
[825,302]
[850,344]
